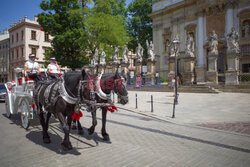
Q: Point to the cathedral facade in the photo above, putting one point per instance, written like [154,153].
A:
[214,40]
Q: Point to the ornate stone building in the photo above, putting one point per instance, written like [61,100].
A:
[27,36]
[4,56]
[207,50]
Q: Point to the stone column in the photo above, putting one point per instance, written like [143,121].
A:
[189,65]
[229,20]
[138,68]
[232,73]
[200,67]
[212,73]
[151,71]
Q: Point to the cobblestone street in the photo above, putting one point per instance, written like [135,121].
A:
[136,140]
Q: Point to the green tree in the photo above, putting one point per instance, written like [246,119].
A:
[139,24]
[63,19]
[104,29]
[78,29]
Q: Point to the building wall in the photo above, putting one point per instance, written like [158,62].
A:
[21,48]
[177,15]
[4,56]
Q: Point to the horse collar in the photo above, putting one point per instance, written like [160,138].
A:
[99,91]
[64,94]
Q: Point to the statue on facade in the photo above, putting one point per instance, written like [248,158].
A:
[246,29]
[125,54]
[233,40]
[213,43]
[139,53]
[172,46]
[190,45]
[102,57]
[94,60]
[115,56]
[150,47]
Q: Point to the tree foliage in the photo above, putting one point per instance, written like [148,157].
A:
[78,29]
[139,25]
[104,29]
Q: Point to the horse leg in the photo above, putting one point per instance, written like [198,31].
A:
[74,124]
[46,138]
[91,130]
[66,145]
[105,135]
[79,127]
[47,121]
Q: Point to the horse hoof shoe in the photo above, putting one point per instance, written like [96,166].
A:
[66,147]
[106,138]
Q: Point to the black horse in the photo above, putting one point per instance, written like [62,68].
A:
[107,83]
[57,104]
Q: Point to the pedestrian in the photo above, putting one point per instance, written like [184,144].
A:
[157,78]
[32,68]
[173,83]
[53,69]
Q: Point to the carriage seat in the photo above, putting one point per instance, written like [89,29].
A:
[27,79]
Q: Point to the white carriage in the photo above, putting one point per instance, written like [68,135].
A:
[19,97]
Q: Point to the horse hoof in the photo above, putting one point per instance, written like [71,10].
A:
[46,140]
[73,127]
[66,146]
[80,132]
[91,131]
[106,138]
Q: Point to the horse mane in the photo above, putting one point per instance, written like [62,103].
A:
[72,77]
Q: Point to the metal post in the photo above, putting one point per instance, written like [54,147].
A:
[152,104]
[113,96]
[136,106]
[175,43]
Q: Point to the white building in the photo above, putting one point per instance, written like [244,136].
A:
[26,37]
[4,56]
[199,18]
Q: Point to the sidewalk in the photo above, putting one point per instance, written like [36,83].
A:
[193,108]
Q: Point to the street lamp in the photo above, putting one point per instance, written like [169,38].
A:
[175,44]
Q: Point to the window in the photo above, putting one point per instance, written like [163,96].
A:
[33,35]
[12,38]
[33,51]
[17,53]
[16,37]
[22,53]
[12,55]
[245,68]
[166,60]
[46,37]
[245,49]
[22,35]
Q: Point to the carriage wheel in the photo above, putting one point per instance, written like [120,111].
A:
[7,106]
[25,114]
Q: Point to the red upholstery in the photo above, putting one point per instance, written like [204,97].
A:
[28,79]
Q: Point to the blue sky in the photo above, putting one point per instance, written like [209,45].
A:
[12,10]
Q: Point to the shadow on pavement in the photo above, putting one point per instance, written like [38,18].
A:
[182,136]
[55,145]
[16,119]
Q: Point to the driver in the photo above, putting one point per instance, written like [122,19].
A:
[32,68]
[53,68]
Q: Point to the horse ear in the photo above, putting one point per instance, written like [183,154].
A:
[83,73]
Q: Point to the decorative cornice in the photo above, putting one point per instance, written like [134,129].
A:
[230,3]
